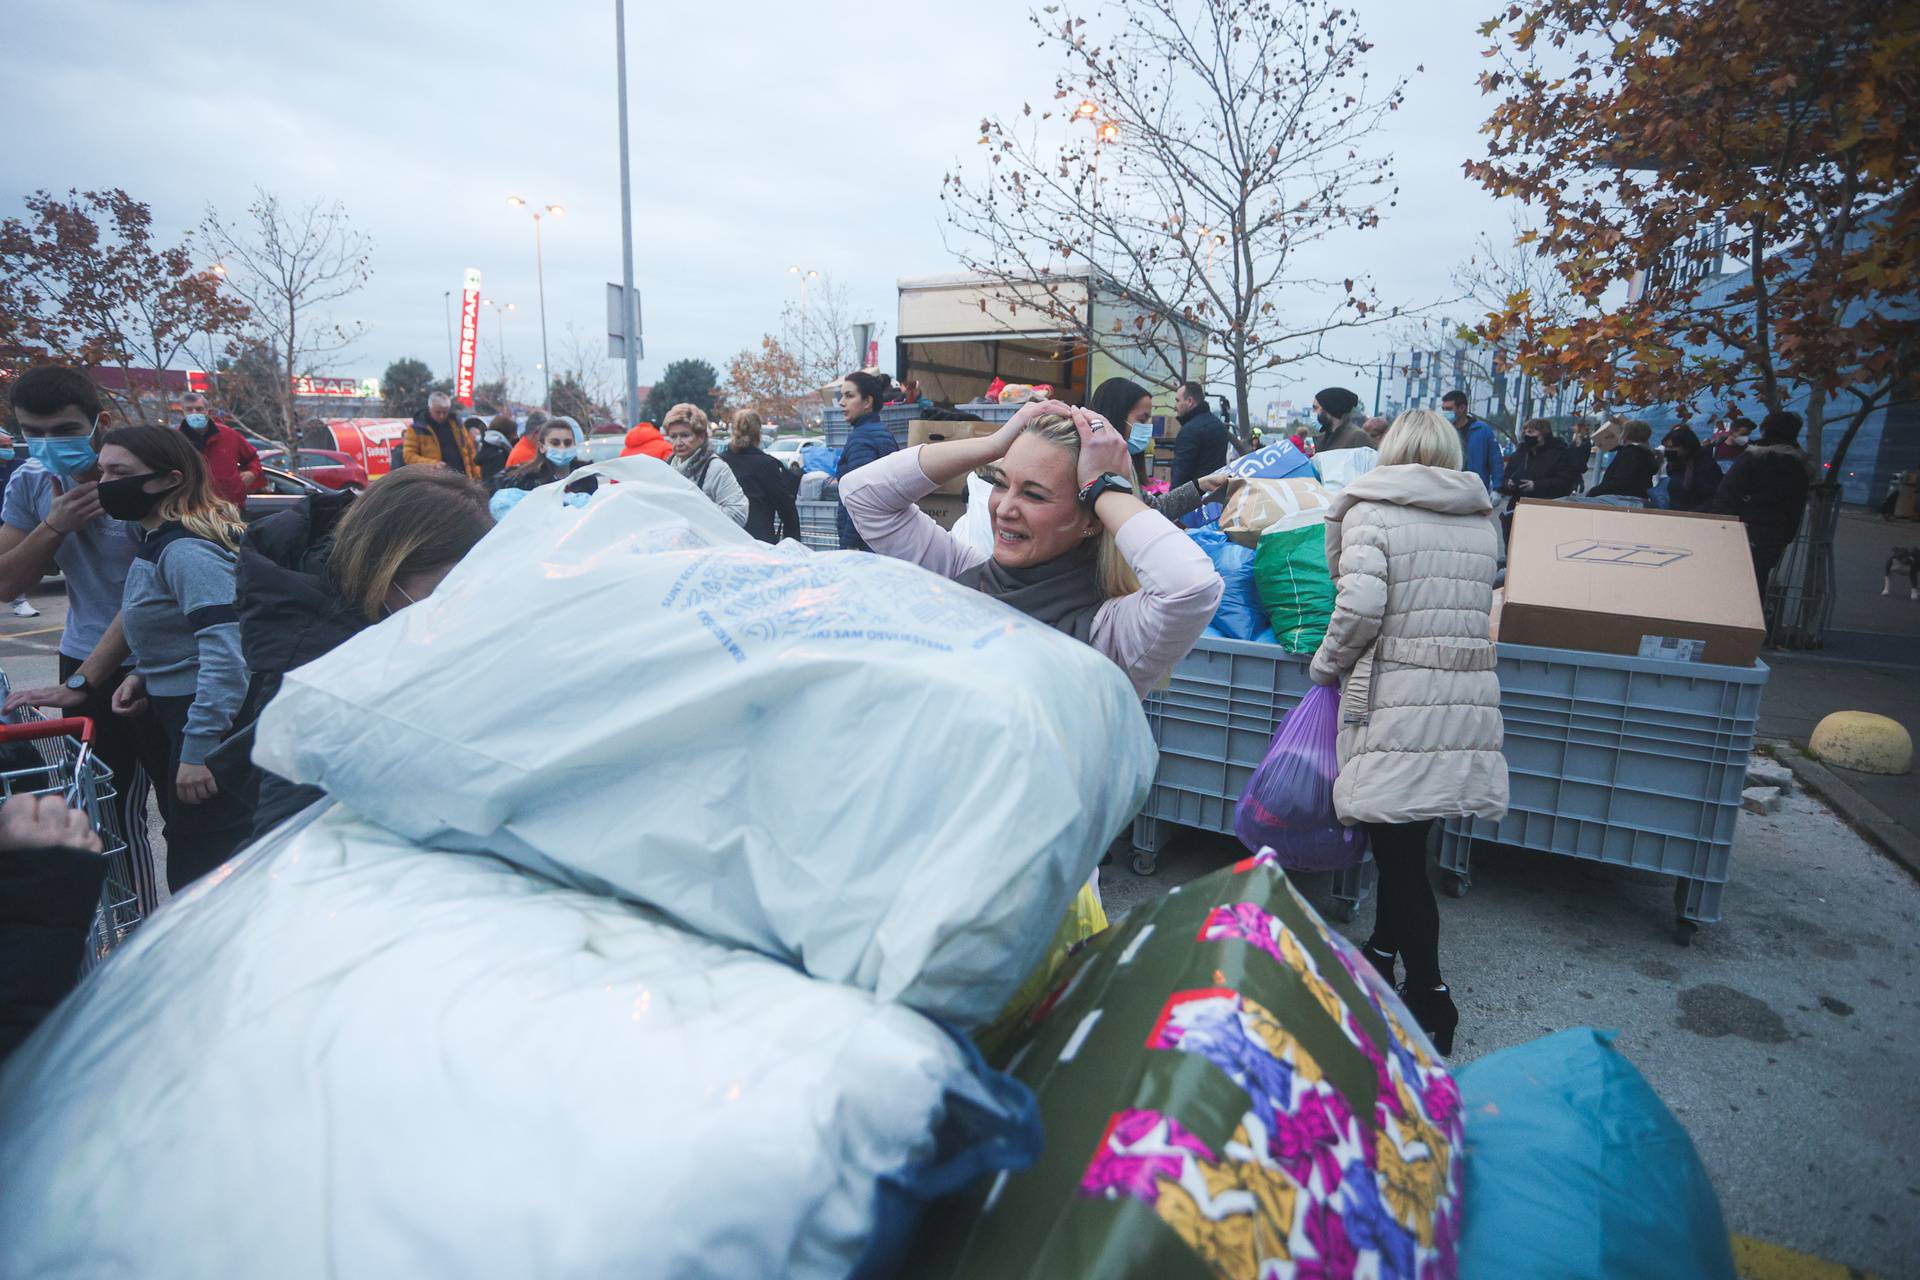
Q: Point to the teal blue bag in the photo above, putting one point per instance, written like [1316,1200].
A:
[1576,1169]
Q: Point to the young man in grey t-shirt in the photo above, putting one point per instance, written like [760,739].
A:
[50,518]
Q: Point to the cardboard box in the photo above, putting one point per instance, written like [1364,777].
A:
[945,508]
[921,432]
[1655,584]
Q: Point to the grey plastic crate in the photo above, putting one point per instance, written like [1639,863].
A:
[1214,722]
[820,525]
[1634,762]
[893,417]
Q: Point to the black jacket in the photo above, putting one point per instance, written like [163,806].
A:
[1201,447]
[770,489]
[1767,488]
[1630,474]
[529,476]
[47,901]
[1693,488]
[1552,466]
[290,614]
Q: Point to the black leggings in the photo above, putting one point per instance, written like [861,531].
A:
[1406,919]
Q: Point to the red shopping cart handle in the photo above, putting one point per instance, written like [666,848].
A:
[80,727]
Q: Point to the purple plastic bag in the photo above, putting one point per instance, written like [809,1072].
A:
[1288,803]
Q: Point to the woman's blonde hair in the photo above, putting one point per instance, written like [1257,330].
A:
[691,414]
[194,505]
[746,431]
[1421,437]
[1637,431]
[1115,575]
[408,521]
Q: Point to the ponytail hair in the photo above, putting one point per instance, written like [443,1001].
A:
[874,386]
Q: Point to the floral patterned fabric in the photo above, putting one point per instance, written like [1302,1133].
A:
[1307,1186]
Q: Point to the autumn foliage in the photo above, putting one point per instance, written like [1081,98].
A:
[1655,138]
[83,282]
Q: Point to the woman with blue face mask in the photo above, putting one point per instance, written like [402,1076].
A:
[559,454]
[1129,406]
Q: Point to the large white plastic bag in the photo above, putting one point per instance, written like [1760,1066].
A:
[834,758]
[1338,468]
[344,1057]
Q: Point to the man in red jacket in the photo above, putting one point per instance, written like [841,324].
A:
[232,464]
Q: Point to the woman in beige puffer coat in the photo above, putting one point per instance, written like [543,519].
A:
[1413,551]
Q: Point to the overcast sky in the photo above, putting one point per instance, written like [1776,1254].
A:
[763,135]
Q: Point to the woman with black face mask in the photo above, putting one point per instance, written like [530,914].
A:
[180,622]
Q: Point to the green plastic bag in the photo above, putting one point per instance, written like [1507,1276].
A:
[1290,572]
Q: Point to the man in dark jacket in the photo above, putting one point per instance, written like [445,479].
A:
[1200,449]
[1693,477]
[1337,410]
[1767,488]
[1542,467]
[51,872]
[233,465]
[1634,465]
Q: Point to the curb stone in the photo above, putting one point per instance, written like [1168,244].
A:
[1856,810]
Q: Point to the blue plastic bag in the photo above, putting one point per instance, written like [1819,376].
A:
[819,457]
[1276,461]
[1576,1169]
[1288,804]
[1240,615]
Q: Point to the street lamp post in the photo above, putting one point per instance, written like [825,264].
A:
[447,297]
[805,277]
[540,269]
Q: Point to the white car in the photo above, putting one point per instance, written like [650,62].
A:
[786,450]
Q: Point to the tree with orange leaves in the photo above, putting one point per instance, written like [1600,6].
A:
[1656,139]
[82,280]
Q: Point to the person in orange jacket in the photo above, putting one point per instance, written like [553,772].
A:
[646,439]
[527,447]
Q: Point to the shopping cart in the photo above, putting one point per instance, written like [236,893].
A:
[45,757]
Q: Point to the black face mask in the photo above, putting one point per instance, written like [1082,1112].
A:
[1326,422]
[128,499]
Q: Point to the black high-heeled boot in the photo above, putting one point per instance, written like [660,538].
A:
[1382,961]
[1434,1010]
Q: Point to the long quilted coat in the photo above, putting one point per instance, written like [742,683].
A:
[1413,553]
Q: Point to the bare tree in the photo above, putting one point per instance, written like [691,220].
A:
[1196,149]
[287,265]
[820,337]
[1500,270]
[589,371]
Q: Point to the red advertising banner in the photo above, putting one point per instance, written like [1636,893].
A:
[469,338]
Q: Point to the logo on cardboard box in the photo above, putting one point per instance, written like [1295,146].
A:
[1634,555]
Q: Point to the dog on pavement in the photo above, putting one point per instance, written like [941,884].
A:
[1907,558]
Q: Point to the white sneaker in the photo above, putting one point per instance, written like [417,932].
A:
[22,609]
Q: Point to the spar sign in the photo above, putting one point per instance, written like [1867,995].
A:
[469,337]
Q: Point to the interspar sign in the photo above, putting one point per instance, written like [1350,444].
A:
[469,337]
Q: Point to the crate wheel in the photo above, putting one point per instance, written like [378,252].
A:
[1340,911]
[1144,863]
[1456,885]
[1683,931]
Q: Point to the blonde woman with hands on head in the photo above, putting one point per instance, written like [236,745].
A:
[1074,547]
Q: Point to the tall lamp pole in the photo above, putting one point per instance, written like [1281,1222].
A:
[540,269]
[632,342]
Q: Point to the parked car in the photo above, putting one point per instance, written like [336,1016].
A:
[604,443]
[786,450]
[324,467]
[278,491]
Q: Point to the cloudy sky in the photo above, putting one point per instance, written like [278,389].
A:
[764,134]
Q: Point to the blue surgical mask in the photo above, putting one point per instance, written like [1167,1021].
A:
[198,421]
[562,457]
[65,456]
[1140,438]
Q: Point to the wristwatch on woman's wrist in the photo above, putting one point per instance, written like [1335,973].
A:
[1108,483]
